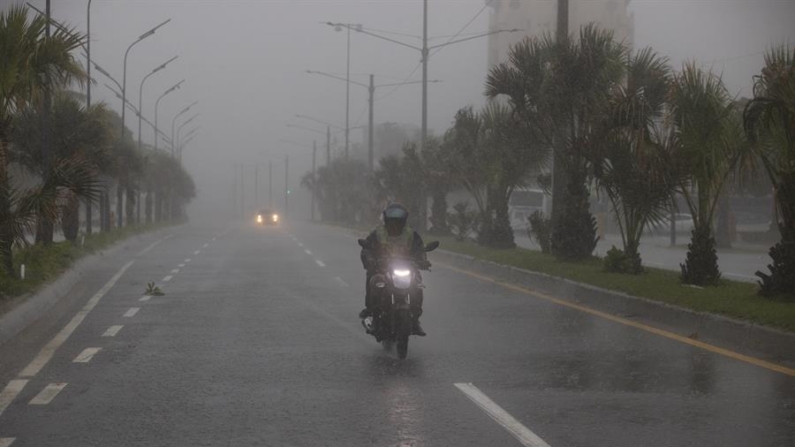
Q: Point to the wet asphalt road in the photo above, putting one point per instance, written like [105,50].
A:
[256,342]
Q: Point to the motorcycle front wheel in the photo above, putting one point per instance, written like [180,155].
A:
[403,331]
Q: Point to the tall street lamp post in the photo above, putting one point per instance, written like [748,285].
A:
[371,91]
[157,104]
[174,121]
[141,95]
[338,27]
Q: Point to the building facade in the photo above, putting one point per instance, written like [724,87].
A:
[537,17]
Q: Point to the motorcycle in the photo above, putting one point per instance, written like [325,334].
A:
[392,322]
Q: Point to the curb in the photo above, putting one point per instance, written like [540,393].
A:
[743,336]
[27,309]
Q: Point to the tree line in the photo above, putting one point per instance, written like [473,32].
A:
[56,152]
[617,122]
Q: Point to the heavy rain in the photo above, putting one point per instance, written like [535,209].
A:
[544,223]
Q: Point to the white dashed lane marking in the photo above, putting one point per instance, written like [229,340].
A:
[175,271]
[6,442]
[320,263]
[196,252]
[113,330]
[145,298]
[187,260]
[308,252]
[523,434]
[206,245]
[300,245]
[86,355]
[49,349]
[10,392]
[167,278]
[131,313]
[181,265]
[341,282]
[48,394]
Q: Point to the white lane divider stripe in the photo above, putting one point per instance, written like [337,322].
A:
[301,245]
[153,245]
[145,298]
[131,313]
[175,271]
[195,253]
[181,265]
[320,263]
[113,330]
[6,442]
[86,355]
[341,281]
[514,427]
[308,252]
[48,394]
[167,278]
[206,245]
[10,393]
[49,349]
[187,260]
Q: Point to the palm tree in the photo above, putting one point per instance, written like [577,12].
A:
[560,88]
[31,64]
[710,144]
[633,165]
[80,140]
[769,121]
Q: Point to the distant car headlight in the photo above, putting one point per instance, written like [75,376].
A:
[275,217]
[259,218]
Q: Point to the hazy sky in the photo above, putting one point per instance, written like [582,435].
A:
[245,62]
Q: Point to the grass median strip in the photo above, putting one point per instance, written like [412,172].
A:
[731,298]
[45,263]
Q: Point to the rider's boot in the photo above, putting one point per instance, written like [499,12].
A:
[416,328]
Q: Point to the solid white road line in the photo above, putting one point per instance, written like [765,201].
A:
[167,278]
[341,281]
[195,253]
[10,392]
[320,263]
[48,394]
[514,427]
[113,330]
[131,312]
[153,245]
[49,349]
[145,298]
[6,442]
[86,355]
[175,271]
[308,252]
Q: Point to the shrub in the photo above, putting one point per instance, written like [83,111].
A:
[617,261]
[540,229]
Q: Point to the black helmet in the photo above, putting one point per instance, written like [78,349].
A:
[395,218]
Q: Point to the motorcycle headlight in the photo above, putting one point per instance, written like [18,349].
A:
[401,279]
[402,272]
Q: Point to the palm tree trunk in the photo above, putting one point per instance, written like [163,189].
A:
[71,219]
[130,204]
[119,205]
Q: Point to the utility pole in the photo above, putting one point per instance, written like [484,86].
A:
[256,185]
[314,177]
[286,183]
[328,145]
[371,89]
[424,134]
[88,104]
[270,185]
[348,98]
[558,177]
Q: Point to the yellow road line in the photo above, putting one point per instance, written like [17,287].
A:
[663,333]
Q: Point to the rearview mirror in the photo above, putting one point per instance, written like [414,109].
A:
[432,246]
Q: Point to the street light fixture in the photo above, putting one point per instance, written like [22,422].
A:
[179,130]
[371,90]
[425,54]
[174,121]
[338,27]
[157,104]
[124,73]
[141,95]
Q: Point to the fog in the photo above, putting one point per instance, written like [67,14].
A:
[245,63]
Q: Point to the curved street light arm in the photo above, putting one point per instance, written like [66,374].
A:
[308,129]
[477,36]
[319,121]
[360,30]
[339,78]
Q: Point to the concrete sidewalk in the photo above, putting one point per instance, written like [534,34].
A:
[738,263]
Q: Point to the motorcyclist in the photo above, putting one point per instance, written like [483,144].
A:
[394,237]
